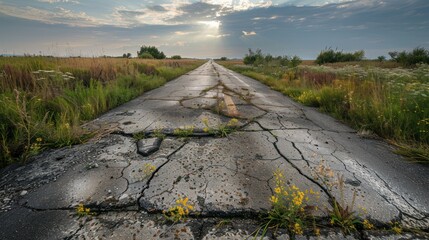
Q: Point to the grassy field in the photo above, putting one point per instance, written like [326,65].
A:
[376,98]
[44,101]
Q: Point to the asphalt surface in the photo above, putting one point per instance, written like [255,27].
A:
[127,180]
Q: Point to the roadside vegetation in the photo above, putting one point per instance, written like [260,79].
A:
[331,56]
[389,99]
[45,100]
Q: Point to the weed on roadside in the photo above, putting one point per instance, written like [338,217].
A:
[148,169]
[221,130]
[184,132]
[290,208]
[179,212]
[342,214]
[139,135]
[223,223]
[158,133]
[395,227]
[82,211]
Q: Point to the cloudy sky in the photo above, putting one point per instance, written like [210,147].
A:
[209,28]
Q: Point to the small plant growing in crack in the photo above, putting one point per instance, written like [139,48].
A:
[148,169]
[139,136]
[184,132]
[222,130]
[179,212]
[290,208]
[158,133]
[223,223]
[82,211]
[395,227]
[367,225]
[342,213]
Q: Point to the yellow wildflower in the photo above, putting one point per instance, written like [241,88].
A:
[397,230]
[298,198]
[367,224]
[277,190]
[232,122]
[39,139]
[297,229]
[180,211]
[274,199]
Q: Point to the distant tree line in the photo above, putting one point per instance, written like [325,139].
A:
[407,59]
[418,55]
[258,58]
[150,52]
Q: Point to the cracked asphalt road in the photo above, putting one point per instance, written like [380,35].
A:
[225,178]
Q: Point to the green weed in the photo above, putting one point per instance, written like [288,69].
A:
[158,133]
[184,132]
[139,135]
[148,169]
[221,130]
[342,214]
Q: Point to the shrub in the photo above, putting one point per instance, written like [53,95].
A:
[257,58]
[381,58]
[418,55]
[253,57]
[146,55]
[176,57]
[150,50]
[331,56]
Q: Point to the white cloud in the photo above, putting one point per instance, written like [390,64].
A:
[240,5]
[361,3]
[266,18]
[180,33]
[59,1]
[58,16]
[218,36]
[248,33]
[301,3]
[174,12]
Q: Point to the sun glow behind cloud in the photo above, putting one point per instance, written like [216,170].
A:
[211,24]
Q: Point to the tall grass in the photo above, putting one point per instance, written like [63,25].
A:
[45,100]
[392,103]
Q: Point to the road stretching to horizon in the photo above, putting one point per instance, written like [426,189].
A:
[128,182]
